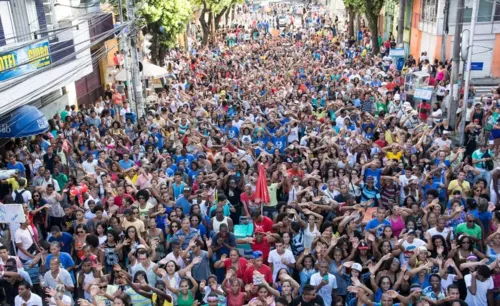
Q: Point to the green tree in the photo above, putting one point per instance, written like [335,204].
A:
[164,19]
[214,10]
[371,9]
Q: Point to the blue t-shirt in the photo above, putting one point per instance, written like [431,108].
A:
[184,204]
[65,240]
[19,166]
[280,143]
[375,174]
[372,224]
[126,164]
[188,159]
[66,262]
[233,132]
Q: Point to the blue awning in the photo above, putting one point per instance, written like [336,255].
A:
[23,122]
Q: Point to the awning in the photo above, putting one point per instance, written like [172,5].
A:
[23,122]
[153,71]
[148,71]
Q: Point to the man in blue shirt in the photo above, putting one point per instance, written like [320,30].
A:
[14,165]
[376,226]
[187,158]
[126,163]
[65,239]
[232,131]
[183,201]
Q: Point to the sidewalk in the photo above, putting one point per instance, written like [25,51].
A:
[486,82]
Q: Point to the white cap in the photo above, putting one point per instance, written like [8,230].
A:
[414,112]
[406,104]
[384,83]
[446,132]
[356,266]
[397,97]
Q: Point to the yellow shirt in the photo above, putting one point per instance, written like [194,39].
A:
[397,156]
[455,186]
[13,182]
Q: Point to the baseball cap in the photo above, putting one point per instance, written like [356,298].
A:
[363,246]
[259,231]
[356,266]
[187,188]
[411,232]
[257,254]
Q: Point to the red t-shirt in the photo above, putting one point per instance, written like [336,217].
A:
[424,110]
[264,270]
[119,199]
[263,246]
[266,224]
[241,270]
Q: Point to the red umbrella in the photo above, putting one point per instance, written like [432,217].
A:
[261,191]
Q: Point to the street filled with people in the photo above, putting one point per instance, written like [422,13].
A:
[283,165]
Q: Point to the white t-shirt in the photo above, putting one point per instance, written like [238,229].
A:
[448,281]
[24,236]
[89,167]
[26,194]
[409,248]
[34,300]
[326,291]
[275,260]
[65,299]
[433,231]
[480,299]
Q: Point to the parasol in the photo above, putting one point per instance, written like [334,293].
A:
[261,190]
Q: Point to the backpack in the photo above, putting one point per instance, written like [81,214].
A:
[19,199]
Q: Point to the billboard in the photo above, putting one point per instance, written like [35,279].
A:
[24,60]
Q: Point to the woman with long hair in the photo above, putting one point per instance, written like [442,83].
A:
[234,261]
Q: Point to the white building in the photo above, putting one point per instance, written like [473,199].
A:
[50,52]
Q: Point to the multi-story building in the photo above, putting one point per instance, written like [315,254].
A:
[50,52]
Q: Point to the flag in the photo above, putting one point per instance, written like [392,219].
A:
[261,190]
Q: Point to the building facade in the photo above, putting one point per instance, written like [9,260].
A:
[45,47]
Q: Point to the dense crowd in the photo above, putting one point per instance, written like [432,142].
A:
[273,170]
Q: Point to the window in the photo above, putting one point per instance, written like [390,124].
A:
[408,13]
[429,10]
[496,17]
[484,12]
[7,22]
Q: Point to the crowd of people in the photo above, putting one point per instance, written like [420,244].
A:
[272,171]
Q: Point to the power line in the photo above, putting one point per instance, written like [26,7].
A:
[50,36]
[14,103]
[94,60]
[24,76]
[53,53]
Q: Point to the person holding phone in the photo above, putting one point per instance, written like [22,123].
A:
[325,283]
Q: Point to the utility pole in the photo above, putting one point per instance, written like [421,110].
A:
[136,80]
[445,29]
[401,22]
[124,47]
[455,69]
[467,68]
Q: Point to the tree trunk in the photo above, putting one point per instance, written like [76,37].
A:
[155,46]
[352,16]
[218,17]
[373,25]
[162,51]
[228,12]
[205,28]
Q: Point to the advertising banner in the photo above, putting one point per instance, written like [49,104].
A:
[24,60]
